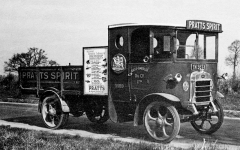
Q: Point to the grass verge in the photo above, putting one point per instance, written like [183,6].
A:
[231,102]
[16,138]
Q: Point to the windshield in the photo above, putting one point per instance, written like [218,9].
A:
[195,46]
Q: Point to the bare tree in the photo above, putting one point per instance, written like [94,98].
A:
[33,58]
[233,58]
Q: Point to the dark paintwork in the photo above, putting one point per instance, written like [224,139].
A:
[127,88]
[126,93]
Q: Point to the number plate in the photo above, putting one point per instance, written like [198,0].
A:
[198,66]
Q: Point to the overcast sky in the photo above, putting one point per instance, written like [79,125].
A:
[63,27]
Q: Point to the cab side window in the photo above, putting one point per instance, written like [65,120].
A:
[161,46]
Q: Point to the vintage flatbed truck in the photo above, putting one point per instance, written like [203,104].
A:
[151,74]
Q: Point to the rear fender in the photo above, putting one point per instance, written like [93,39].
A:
[49,92]
[150,98]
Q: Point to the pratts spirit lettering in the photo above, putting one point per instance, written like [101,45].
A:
[203,25]
[50,75]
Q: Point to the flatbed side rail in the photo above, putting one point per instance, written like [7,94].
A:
[66,79]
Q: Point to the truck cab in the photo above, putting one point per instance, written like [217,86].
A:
[153,64]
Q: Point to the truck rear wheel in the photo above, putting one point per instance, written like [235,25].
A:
[209,122]
[97,112]
[52,114]
[162,122]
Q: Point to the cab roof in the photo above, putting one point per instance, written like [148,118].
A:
[145,24]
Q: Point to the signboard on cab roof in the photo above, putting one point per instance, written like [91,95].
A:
[202,25]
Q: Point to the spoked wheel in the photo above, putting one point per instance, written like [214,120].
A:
[209,122]
[97,112]
[161,121]
[52,115]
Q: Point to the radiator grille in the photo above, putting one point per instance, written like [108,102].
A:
[203,91]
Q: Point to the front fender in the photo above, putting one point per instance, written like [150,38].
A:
[150,98]
[165,95]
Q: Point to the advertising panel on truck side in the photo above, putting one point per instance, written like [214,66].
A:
[95,70]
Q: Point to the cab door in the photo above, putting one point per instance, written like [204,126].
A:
[139,66]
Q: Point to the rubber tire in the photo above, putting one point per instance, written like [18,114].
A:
[176,119]
[218,124]
[63,117]
[91,116]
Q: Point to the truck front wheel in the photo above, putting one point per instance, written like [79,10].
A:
[209,121]
[162,122]
[52,114]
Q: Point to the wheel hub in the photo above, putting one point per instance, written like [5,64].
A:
[52,111]
[159,122]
